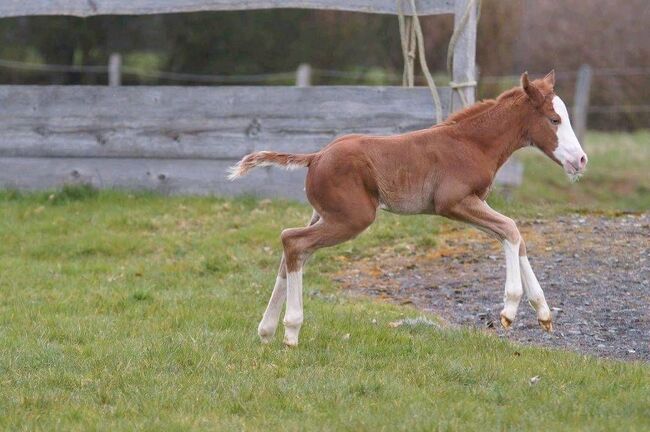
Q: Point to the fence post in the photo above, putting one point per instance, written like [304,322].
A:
[464,63]
[581,102]
[115,70]
[303,75]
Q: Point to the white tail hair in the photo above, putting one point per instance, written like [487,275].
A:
[266,158]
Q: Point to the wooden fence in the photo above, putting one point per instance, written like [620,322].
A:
[86,8]
[182,139]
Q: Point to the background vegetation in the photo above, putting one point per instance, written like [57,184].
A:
[514,35]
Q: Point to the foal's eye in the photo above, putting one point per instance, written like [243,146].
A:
[555,121]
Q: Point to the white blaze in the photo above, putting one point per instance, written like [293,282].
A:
[568,150]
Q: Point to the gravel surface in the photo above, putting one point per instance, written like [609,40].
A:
[594,270]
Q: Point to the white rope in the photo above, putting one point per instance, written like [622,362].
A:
[407,41]
[455,86]
[411,37]
[461,26]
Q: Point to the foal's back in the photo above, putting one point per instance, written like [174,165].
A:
[402,173]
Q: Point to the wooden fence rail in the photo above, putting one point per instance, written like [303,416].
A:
[182,139]
[85,8]
[178,140]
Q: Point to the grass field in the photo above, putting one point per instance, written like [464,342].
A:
[618,176]
[123,312]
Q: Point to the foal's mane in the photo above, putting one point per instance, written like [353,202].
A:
[482,106]
[471,110]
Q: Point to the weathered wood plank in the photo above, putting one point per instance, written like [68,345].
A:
[181,140]
[167,176]
[199,122]
[464,61]
[171,176]
[511,173]
[85,8]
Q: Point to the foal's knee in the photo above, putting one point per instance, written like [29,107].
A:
[522,247]
[510,232]
[293,251]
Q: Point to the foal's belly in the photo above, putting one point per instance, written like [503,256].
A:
[406,204]
[405,193]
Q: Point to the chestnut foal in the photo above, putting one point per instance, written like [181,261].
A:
[446,170]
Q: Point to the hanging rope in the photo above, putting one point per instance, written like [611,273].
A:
[407,38]
[412,38]
[452,46]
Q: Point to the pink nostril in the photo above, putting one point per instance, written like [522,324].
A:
[583,161]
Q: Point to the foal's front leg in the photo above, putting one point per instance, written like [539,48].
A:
[475,211]
[513,288]
[534,291]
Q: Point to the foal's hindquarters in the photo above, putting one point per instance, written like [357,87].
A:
[343,208]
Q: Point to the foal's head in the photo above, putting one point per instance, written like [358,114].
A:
[550,129]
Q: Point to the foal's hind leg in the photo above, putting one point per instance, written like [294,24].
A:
[299,244]
[269,322]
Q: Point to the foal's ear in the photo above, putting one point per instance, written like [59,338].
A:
[550,77]
[533,92]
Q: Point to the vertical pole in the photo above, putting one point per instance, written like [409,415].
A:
[581,102]
[115,70]
[464,64]
[303,75]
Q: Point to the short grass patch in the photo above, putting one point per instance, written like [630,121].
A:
[617,178]
[138,312]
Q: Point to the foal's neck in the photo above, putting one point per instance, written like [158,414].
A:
[499,130]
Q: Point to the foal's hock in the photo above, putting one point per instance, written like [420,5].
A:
[445,170]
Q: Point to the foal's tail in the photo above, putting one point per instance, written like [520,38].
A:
[265,158]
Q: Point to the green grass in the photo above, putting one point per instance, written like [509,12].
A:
[617,178]
[132,311]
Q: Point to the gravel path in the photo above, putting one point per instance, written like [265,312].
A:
[595,272]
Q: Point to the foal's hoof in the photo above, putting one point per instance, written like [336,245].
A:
[546,325]
[266,335]
[506,322]
[291,335]
[266,339]
[291,331]
[289,342]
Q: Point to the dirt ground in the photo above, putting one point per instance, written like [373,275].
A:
[594,270]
